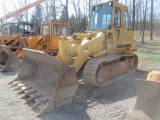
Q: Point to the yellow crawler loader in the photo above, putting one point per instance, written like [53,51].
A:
[47,41]
[104,53]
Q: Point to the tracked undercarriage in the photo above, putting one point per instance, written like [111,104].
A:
[103,71]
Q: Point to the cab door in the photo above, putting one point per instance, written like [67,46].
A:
[56,33]
[58,29]
[117,27]
[127,33]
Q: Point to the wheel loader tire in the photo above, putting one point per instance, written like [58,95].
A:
[8,60]
[44,80]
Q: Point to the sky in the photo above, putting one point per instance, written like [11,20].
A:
[7,6]
[11,5]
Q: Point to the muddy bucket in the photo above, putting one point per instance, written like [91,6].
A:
[8,59]
[45,81]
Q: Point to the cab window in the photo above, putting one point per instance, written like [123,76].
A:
[46,30]
[64,30]
[101,17]
[56,29]
[126,19]
[117,17]
[6,30]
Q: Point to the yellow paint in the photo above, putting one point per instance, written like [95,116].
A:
[97,43]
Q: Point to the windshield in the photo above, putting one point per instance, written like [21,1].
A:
[46,29]
[101,17]
[23,28]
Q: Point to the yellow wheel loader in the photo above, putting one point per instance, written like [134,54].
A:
[104,53]
[147,106]
[47,41]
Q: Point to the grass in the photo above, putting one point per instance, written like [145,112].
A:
[148,62]
[148,57]
[148,53]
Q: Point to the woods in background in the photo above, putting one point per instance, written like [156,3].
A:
[76,13]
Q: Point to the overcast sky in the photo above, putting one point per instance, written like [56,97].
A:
[12,5]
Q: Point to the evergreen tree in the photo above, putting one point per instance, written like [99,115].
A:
[36,18]
[72,24]
[63,15]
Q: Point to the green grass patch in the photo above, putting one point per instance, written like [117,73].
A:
[148,57]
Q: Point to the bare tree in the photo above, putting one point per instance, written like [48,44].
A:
[53,10]
[84,8]
[90,3]
[144,21]
[4,9]
[130,10]
[125,2]
[67,11]
[140,14]
[151,34]
[26,11]
[133,16]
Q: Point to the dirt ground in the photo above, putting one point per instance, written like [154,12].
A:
[90,103]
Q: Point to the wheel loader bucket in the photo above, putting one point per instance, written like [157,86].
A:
[147,106]
[45,81]
[148,98]
[8,59]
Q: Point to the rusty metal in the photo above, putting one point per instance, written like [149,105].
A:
[45,80]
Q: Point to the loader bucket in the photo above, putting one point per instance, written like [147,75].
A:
[8,60]
[45,81]
[147,106]
[148,98]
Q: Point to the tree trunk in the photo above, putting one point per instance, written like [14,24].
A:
[67,11]
[144,21]
[26,11]
[140,11]
[137,16]
[76,14]
[54,10]
[151,34]
[125,2]
[89,7]
[133,16]
[130,10]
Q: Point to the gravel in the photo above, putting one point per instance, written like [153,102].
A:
[90,102]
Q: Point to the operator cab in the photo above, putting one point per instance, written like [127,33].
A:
[112,16]
[15,28]
[54,28]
